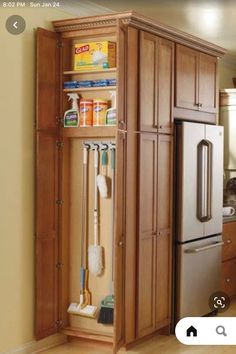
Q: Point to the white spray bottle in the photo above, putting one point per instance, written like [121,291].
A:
[71,117]
[111,112]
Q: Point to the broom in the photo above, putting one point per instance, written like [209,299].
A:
[106,315]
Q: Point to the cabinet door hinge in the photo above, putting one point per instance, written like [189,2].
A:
[59,121]
[59,44]
[58,323]
[59,202]
[59,144]
[59,265]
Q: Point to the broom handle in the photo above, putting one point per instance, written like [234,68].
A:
[95,198]
[113,162]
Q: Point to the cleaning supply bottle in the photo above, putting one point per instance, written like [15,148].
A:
[111,112]
[71,116]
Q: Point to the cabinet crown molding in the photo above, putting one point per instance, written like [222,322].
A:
[141,22]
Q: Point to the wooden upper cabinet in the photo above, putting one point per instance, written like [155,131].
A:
[196,81]
[207,83]
[156,83]
[148,82]
[165,86]
[47,81]
[186,77]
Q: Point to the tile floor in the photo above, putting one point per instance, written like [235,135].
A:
[157,345]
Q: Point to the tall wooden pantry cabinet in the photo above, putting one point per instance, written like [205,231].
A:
[151,91]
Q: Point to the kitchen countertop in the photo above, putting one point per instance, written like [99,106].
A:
[229,219]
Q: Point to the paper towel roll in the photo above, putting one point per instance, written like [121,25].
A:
[228,211]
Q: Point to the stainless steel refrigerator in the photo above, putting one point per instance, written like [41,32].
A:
[199,202]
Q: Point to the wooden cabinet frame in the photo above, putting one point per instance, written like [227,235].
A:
[54,56]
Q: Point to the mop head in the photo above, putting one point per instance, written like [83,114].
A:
[102,185]
[95,259]
[87,311]
[106,315]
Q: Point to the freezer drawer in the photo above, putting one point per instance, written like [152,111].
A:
[198,275]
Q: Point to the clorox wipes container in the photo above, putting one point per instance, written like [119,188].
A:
[99,111]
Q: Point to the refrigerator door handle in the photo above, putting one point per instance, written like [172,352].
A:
[204,181]
[200,249]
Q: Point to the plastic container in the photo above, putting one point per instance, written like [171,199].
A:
[99,111]
[111,82]
[100,83]
[86,112]
[70,84]
[84,83]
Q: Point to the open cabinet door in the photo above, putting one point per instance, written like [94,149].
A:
[46,303]
[119,242]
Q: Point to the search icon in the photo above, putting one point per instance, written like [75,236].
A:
[221,330]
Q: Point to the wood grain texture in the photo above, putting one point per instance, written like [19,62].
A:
[76,26]
[148,82]
[119,239]
[164,233]
[208,92]
[229,238]
[46,303]
[186,94]
[228,280]
[47,79]
[165,86]
[131,187]
[147,233]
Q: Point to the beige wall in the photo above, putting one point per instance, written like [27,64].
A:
[226,72]
[17,75]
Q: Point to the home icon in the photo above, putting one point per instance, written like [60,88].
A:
[191,332]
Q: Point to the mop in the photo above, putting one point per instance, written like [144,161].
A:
[84,307]
[106,314]
[95,260]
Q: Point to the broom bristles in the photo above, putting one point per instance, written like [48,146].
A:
[106,315]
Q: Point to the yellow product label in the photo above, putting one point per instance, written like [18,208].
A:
[95,55]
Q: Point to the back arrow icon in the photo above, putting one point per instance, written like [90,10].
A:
[15,25]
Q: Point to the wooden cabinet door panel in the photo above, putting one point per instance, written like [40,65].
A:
[148,82]
[207,83]
[46,236]
[164,234]
[119,229]
[147,233]
[186,95]
[228,280]
[47,82]
[165,86]
[229,238]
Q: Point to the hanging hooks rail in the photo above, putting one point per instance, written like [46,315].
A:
[99,145]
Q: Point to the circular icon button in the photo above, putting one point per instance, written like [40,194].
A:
[219,301]
[15,24]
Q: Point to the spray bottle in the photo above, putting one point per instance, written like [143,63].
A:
[111,112]
[71,117]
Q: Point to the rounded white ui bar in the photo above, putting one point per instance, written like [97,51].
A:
[206,330]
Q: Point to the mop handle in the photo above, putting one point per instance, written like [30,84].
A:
[95,198]
[84,208]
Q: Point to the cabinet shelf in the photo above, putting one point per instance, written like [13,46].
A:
[85,334]
[101,71]
[81,89]
[89,132]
